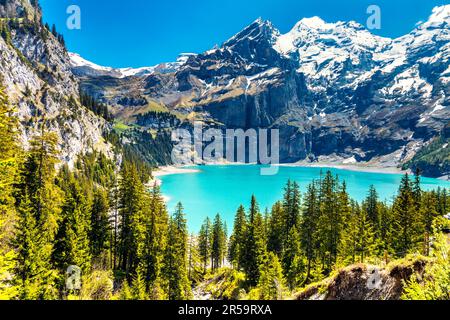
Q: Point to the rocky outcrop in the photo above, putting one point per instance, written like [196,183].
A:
[35,69]
[364,282]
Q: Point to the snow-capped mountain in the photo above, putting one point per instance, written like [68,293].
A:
[83,67]
[331,88]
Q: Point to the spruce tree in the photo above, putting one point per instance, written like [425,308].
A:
[276,229]
[9,164]
[237,240]
[405,219]
[218,249]
[155,243]
[309,227]
[100,228]
[38,200]
[271,281]
[132,199]
[292,260]
[254,245]
[371,206]
[175,269]
[72,245]
[204,243]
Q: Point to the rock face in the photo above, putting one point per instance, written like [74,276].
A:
[36,71]
[363,282]
[333,89]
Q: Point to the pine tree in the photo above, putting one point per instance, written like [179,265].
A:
[34,277]
[309,227]
[371,205]
[254,246]
[366,235]
[428,214]
[276,228]
[204,243]
[358,238]
[405,219]
[271,281]
[155,243]
[291,206]
[237,240]
[175,269]
[417,190]
[218,243]
[38,200]
[72,245]
[195,268]
[292,261]
[133,220]
[385,231]
[100,228]
[9,164]
[330,222]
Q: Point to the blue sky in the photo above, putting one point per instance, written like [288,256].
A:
[138,33]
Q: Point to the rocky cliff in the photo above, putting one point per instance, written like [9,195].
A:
[35,68]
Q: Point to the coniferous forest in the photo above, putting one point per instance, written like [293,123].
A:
[105,219]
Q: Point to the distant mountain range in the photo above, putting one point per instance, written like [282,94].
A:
[335,91]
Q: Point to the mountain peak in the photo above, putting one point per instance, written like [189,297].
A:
[439,15]
[258,30]
[314,23]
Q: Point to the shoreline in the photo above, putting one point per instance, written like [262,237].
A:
[356,167]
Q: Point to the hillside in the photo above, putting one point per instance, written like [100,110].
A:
[434,158]
[35,68]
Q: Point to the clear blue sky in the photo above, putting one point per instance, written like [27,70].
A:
[137,33]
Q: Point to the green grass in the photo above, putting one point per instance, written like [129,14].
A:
[120,127]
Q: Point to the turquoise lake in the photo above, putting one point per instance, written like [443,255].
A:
[221,188]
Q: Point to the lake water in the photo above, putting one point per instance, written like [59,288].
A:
[222,188]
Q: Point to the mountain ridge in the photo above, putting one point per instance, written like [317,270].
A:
[332,89]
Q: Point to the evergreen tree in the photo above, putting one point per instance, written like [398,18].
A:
[205,243]
[72,245]
[292,261]
[237,240]
[309,227]
[254,246]
[175,269]
[155,243]
[195,268]
[428,214]
[371,205]
[405,219]
[100,228]
[385,230]
[132,198]
[271,281]
[291,206]
[358,238]
[218,243]
[276,228]
[330,222]
[34,276]
[9,164]
[38,200]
